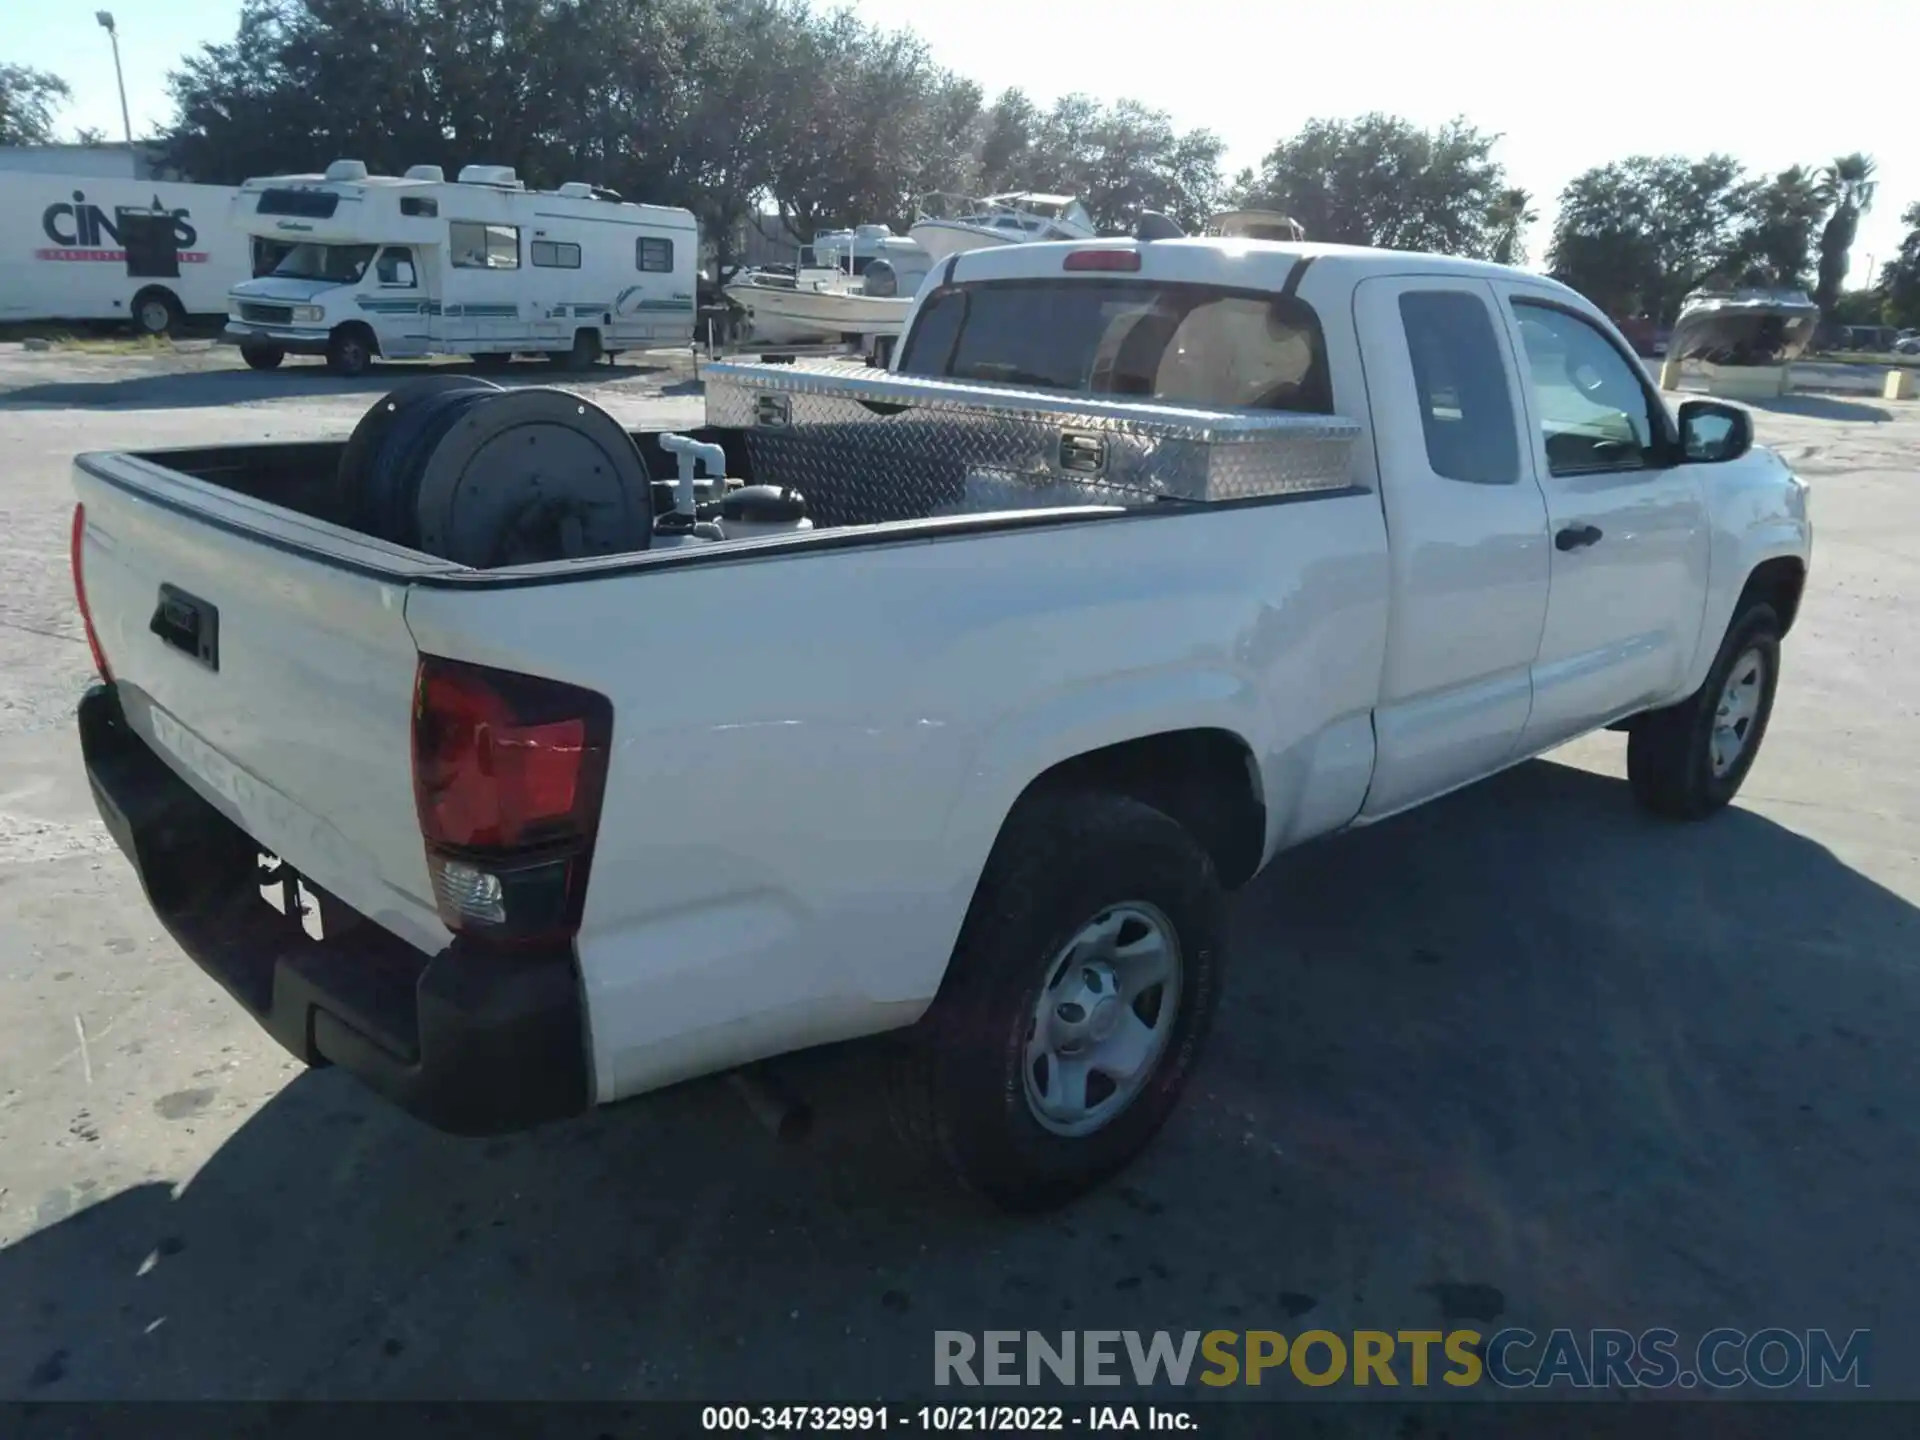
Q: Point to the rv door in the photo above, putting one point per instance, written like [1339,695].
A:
[147,239]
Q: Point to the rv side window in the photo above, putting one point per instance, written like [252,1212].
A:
[652,254]
[555,254]
[419,205]
[483,247]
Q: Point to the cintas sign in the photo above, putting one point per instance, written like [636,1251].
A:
[83,230]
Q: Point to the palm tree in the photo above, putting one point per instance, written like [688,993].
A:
[1847,185]
[1507,223]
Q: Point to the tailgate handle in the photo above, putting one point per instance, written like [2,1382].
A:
[189,624]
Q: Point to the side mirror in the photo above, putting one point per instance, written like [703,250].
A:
[1711,432]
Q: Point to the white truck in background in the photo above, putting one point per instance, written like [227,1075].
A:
[96,247]
[580,830]
[414,265]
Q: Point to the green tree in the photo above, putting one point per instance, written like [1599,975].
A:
[1847,185]
[1635,236]
[1507,224]
[1900,276]
[1008,134]
[28,100]
[1380,180]
[1775,243]
[1119,159]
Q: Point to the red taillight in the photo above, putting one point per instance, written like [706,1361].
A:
[76,556]
[508,773]
[1102,260]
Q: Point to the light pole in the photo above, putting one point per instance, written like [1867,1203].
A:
[105,17]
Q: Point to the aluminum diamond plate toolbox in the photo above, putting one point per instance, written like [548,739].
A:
[866,446]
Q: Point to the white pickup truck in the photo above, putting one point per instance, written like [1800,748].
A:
[979,778]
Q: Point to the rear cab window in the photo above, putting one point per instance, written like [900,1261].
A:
[1178,344]
[1460,384]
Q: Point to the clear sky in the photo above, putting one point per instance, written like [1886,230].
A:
[1568,86]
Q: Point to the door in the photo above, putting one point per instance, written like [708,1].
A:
[396,302]
[148,241]
[482,304]
[555,290]
[1629,526]
[1467,530]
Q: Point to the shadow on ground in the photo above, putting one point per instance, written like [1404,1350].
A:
[180,390]
[1521,1057]
[1823,407]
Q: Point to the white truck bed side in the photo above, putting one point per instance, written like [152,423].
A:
[813,748]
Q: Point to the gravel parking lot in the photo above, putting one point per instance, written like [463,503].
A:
[1522,1057]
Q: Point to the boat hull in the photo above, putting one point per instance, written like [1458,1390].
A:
[795,317]
[1745,329]
[944,238]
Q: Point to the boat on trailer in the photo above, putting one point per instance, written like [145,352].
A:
[1744,327]
[954,224]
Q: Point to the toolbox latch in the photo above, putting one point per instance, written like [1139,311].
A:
[1082,454]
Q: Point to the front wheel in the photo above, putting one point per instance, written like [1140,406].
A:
[1689,760]
[1075,1005]
[349,353]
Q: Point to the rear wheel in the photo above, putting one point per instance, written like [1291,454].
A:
[1689,760]
[1076,1003]
[262,357]
[155,312]
[584,354]
[349,352]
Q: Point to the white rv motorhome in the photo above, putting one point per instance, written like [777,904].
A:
[93,247]
[408,266]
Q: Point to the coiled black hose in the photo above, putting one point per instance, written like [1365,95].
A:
[390,494]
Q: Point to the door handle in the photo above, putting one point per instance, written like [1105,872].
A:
[1577,537]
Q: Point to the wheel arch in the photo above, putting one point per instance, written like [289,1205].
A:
[1779,582]
[361,329]
[1206,778]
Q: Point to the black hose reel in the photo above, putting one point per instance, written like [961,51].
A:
[459,468]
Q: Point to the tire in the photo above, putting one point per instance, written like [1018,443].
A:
[155,312]
[349,353]
[967,1090]
[1674,764]
[262,357]
[584,355]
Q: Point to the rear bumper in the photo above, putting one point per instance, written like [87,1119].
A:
[473,1041]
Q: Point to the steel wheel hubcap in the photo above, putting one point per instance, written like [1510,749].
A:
[154,315]
[1103,1018]
[1737,712]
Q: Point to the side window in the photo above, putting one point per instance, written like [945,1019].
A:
[653,254]
[473,246]
[395,266]
[1460,383]
[1595,412]
[554,254]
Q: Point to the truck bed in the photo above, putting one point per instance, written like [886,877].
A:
[301,476]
